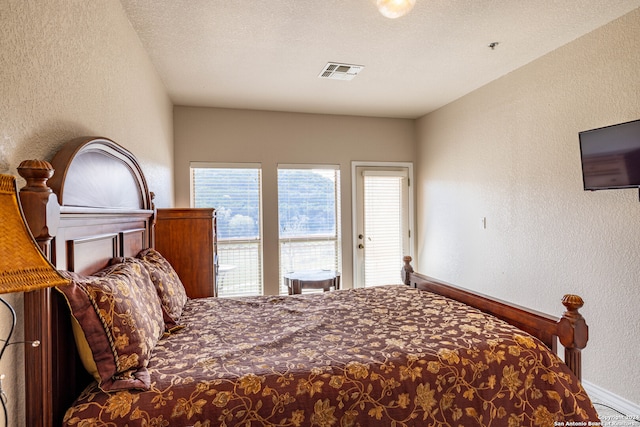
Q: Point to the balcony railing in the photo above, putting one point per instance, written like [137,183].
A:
[308,253]
[239,267]
[240,262]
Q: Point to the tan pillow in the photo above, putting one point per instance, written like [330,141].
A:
[118,320]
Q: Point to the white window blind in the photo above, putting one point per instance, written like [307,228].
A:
[309,219]
[234,190]
[385,226]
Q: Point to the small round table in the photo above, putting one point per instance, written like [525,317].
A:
[312,279]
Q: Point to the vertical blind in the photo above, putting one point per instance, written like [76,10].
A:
[384,227]
[235,193]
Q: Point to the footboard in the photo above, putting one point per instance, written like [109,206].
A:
[571,329]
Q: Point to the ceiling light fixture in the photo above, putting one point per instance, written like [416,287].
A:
[395,8]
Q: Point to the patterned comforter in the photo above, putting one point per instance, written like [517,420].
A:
[383,356]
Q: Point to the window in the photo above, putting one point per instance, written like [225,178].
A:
[234,191]
[309,219]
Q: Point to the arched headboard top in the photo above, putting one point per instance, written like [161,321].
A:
[95,172]
[102,209]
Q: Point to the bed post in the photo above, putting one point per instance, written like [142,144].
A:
[42,213]
[406,271]
[573,333]
[571,329]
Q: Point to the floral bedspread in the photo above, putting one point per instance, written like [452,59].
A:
[383,356]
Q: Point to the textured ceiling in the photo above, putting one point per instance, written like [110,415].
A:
[267,54]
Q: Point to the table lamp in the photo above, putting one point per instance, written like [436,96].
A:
[23,267]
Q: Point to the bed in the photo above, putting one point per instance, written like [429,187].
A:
[419,353]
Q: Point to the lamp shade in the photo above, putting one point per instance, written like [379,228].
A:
[23,267]
[395,8]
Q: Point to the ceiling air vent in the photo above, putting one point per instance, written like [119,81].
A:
[336,71]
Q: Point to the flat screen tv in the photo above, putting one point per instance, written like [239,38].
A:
[611,156]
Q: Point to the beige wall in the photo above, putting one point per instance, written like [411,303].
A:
[509,152]
[270,138]
[67,69]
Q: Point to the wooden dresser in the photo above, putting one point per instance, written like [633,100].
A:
[186,237]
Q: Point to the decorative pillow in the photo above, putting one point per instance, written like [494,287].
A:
[117,321]
[169,324]
[168,285]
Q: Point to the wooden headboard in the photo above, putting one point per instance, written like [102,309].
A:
[97,206]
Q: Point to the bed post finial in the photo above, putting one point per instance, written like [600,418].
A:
[407,269]
[39,203]
[573,333]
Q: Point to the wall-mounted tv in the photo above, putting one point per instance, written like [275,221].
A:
[611,156]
